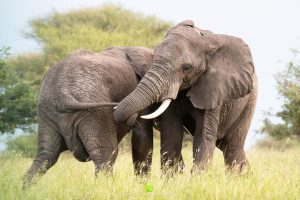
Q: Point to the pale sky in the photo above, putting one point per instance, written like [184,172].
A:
[270,27]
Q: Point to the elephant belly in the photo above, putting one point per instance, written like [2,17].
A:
[189,124]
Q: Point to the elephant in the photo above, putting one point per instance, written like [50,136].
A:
[207,84]
[75,109]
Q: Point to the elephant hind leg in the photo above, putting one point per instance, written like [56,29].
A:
[232,144]
[99,137]
[232,147]
[50,145]
[235,159]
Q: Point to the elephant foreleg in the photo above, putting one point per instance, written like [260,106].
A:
[142,146]
[233,143]
[205,139]
[171,143]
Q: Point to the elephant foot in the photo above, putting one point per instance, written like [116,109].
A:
[200,165]
[236,161]
[197,170]
[34,173]
[240,168]
[170,169]
[27,182]
[141,169]
[104,168]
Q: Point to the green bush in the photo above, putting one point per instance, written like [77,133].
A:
[96,29]
[59,34]
[288,85]
[17,100]
[90,28]
[277,144]
[24,144]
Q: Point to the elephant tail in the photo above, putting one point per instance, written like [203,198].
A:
[82,106]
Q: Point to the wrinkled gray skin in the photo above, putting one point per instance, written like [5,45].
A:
[212,82]
[72,113]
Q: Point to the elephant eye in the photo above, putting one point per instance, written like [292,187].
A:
[187,68]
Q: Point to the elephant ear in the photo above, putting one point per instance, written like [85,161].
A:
[181,28]
[187,23]
[140,58]
[228,75]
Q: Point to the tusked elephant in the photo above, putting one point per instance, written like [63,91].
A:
[206,82]
[75,110]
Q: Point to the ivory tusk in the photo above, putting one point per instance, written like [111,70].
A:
[165,104]
[115,107]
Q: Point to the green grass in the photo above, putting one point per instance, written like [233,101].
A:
[273,174]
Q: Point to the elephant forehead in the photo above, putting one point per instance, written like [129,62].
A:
[189,33]
[203,31]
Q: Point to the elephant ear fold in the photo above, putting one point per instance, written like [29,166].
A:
[140,58]
[228,75]
[181,28]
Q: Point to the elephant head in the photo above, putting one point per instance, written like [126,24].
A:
[212,67]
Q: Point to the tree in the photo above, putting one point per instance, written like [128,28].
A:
[17,101]
[60,33]
[25,144]
[30,68]
[93,29]
[288,85]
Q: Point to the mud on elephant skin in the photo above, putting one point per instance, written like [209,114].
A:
[205,82]
[73,113]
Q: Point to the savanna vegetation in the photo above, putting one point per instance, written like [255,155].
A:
[274,166]
[273,174]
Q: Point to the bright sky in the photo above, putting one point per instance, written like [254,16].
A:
[270,27]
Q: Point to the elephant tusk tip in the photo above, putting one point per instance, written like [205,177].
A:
[115,107]
[159,111]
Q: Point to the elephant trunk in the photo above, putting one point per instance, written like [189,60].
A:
[154,87]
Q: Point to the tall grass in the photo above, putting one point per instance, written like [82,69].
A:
[272,175]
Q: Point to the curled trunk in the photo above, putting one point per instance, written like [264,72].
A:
[154,87]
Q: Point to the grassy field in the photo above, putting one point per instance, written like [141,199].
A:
[273,174]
